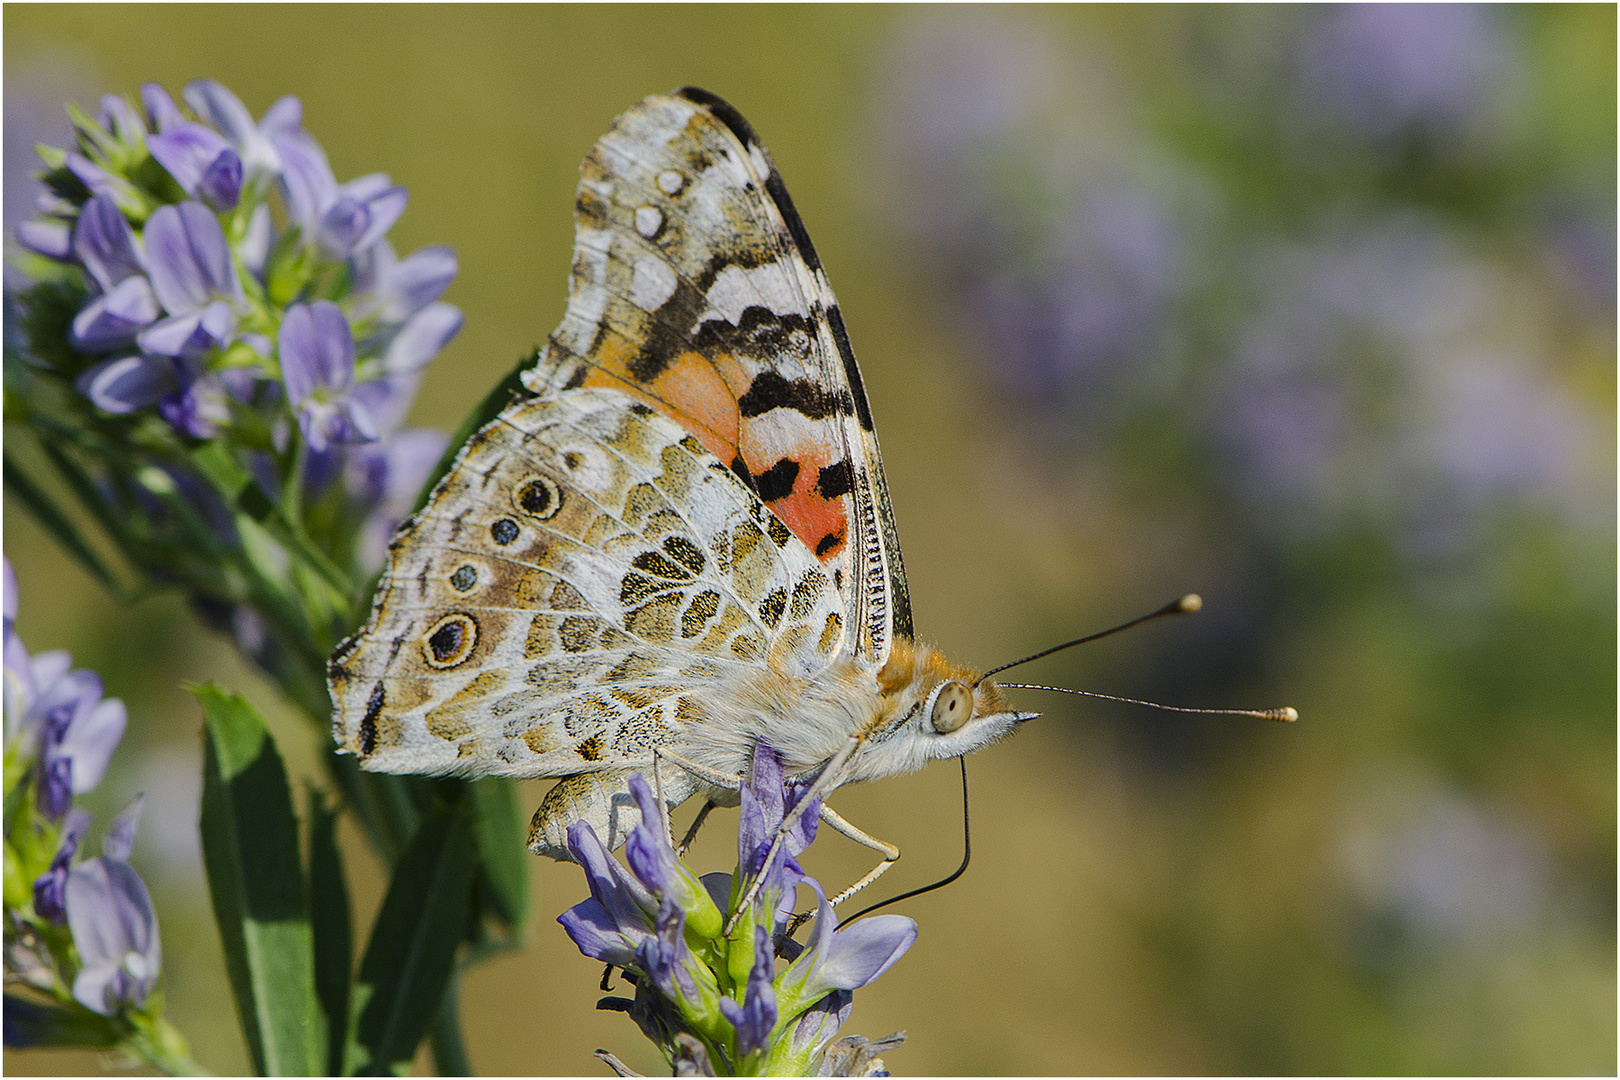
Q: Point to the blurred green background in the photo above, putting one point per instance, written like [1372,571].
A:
[1311,310]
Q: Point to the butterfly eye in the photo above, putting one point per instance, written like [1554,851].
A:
[952,708]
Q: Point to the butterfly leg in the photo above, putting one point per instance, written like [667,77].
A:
[697,823]
[709,776]
[890,853]
[663,807]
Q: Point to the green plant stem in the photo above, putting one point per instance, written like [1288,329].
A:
[161,1046]
[292,493]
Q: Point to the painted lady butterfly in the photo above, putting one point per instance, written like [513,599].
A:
[681,541]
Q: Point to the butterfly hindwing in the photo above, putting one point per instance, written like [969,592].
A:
[580,576]
[696,290]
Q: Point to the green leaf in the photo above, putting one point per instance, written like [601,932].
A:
[250,849]
[503,886]
[53,521]
[412,951]
[333,932]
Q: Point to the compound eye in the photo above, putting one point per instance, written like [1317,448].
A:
[952,708]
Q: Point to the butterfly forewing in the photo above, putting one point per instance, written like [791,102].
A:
[696,290]
[580,585]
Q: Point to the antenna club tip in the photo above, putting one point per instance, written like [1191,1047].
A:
[1287,714]
[1190,603]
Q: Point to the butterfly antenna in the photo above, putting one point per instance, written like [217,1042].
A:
[1185,606]
[1284,715]
[967,856]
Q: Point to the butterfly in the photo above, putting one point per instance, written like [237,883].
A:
[678,542]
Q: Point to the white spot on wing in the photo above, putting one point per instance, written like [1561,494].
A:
[736,289]
[670,182]
[756,157]
[648,220]
[653,283]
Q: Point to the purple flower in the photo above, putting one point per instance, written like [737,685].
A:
[201,406]
[115,317]
[114,927]
[102,182]
[629,916]
[106,246]
[129,383]
[766,801]
[194,279]
[316,348]
[123,130]
[670,928]
[79,732]
[756,1016]
[49,887]
[847,958]
[346,220]
[119,841]
[259,146]
[664,957]
[161,111]
[613,924]
[206,166]
[56,716]
[52,239]
[817,1026]
[422,337]
[394,289]
[358,214]
[384,478]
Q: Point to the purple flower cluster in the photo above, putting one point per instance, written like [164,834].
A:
[310,338]
[668,929]
[60,735]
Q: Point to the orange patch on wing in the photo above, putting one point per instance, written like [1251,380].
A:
[807,514]
[690,391]
[700,393]
[692,386]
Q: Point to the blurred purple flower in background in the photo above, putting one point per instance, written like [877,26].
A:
[1364,391]
[33,116]
[1438,72]
[1447,868]
[1109,279]
[1058,249]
